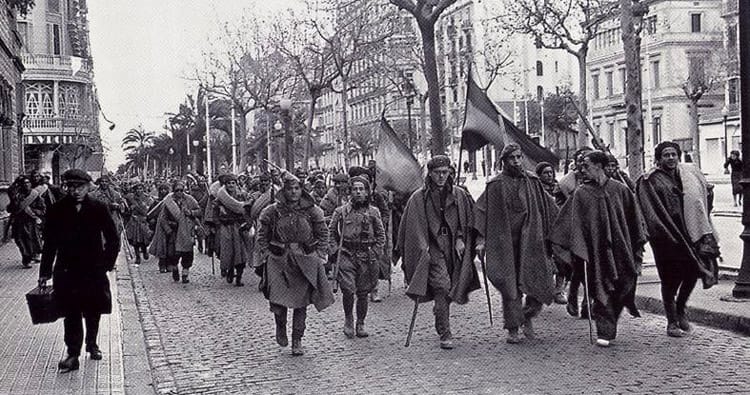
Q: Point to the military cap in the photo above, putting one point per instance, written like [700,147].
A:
[76,176]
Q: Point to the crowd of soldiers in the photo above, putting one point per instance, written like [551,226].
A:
[308,235]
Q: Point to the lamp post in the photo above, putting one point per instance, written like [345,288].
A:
[196,143]
[234,144]
[169,162]
[285,104]
[278,127]
[208,143]
[742,284]
[725,113]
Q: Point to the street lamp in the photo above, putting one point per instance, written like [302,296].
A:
[725,113]
[285,104]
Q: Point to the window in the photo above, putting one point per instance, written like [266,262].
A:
[53,39]
[656,130]
[23,32]
[611,133]
[609,81]
[697,67]
[655,81]
[539,68]
[732,41]
[650,24]
[6,154]
[733,92]
[539,93]
[695,23]
[557,67]
[623,77]
[595,85]
[39,100]
[53,6]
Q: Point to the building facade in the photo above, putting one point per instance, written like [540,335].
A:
[60,127]
[679,41]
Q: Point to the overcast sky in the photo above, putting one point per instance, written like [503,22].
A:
[142,51]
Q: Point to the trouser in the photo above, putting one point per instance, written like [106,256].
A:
[138,249]
[576,280]
[516,312]
[678,279]
[184,258]
[73,326]
[299,316]
[348,302]
[607,312]
[442,312]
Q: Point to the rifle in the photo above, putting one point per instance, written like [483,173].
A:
[413,320]
[596,141]
[338,254]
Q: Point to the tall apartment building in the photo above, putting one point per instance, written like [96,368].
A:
[720,129]
[11,109]
[60,127]
[679,37]
[470,33]
[384,80]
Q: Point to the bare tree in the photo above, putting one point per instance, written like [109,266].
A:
[569,25]
[426,13]
[706,71]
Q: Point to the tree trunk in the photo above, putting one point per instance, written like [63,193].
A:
[582,94]
[433,87]
[694,132]
[242,143]
[631,41]
[308,132]
[423,124]
[288,140]
[345,121]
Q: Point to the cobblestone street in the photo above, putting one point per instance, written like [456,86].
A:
[211,337]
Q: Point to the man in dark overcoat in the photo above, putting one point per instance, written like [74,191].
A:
[80,246]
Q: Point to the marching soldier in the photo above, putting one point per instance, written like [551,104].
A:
[361,228]
[137,230]
[106,194]
[232,233]
[293,240]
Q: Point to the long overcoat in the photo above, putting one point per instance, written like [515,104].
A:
[80,246]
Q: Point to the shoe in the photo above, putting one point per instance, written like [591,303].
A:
[185,280]
[137,260]
[297,347]
[361,332]
[602,343]
[96,353]
[673,330]
[176,275]
[145,256]
[528,330]
[25,265]
[68,364]
[223,272]
[684,324]
[446,341]
[349,328]
[374,297]
[230,276]
[585,313]
[513,337]
[162,270]
[572,309]
[281,338]
[238,282]
[560,298]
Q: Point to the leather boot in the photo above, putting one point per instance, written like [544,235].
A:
[349,327]
[68,364]
[560,290]
[176,275]
[281,338]
[137,259]
[297,349]
[361,332]
[682,320]
[528,329]
[238,280]
[230,276]
[94,351]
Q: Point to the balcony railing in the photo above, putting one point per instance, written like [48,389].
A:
[43,61]
[71,123]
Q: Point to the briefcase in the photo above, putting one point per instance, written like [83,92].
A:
[42,305]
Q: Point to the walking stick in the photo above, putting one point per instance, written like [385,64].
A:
[486,287]
[213,269]
[338,254]
[413,320]
[588,299]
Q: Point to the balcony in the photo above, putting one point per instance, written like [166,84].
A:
[52,62]
[38,130]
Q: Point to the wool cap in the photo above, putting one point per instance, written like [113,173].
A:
[438,161]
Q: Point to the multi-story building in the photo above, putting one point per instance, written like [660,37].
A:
[60,127]
[720,129]
[679,38]
[510,66]
[11,67]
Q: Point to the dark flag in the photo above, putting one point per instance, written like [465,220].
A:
[398,169]
[483,125]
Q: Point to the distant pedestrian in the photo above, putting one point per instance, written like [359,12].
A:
[734,164]
[232,233]
[113,199]
[81,246]
[436,241]
[293,239]
[563,272]
[27,211]
[360,226]
[513,218]
[613,171]
[137,230]
[674,200]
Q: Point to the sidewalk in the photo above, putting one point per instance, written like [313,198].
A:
[30,353]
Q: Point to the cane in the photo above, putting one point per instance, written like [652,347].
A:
[588,299]
[486,286]
[413,320]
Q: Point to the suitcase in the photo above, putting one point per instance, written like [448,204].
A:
[42,305]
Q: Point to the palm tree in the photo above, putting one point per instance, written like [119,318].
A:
[135,142]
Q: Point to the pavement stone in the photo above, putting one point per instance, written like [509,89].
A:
[213,337]
[30,353]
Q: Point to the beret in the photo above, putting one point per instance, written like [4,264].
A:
[361,179]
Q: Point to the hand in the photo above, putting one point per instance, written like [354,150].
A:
[43,281]
[460,247]
[38,221]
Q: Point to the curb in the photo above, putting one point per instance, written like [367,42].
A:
[699,315]
[136,366]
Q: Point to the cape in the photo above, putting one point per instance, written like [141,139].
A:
[603,226]
[413,244]
[534,277]
[667,225]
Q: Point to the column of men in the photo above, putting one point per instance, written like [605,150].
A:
[305,241]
